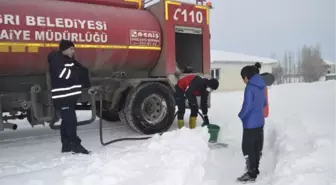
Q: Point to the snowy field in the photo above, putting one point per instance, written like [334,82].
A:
[299,148]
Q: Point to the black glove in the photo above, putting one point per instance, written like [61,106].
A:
[206,120]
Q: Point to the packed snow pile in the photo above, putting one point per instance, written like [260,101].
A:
[176,158]
[304,133]
[180,154]
[302,158]
[299,144]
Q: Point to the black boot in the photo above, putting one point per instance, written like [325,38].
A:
[247,177]
[250,175]
[247,164]
[79,149]
[257,169]
[66,148]
[258,162]
[66,145]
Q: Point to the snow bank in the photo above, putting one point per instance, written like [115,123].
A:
[303,159]
[175,158]
[304,139]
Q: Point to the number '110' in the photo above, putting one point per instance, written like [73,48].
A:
[192,15]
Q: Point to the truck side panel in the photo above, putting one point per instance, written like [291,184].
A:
[107,38]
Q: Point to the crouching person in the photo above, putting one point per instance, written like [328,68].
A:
[66,90]
[188,88]
[252,117]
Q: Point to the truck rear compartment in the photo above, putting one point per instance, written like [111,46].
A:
[189,48]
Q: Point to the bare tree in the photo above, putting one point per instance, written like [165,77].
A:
[298,66]
[290,67]
[312,65]
[278,72]
[305,65]
[285,68]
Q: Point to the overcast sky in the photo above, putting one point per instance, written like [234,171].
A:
[260,27]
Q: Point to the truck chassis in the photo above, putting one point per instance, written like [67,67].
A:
[147,105]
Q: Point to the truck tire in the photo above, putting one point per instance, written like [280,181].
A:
[149,108]
[122,117]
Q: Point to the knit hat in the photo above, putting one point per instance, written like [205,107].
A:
[65,44]
[213,83]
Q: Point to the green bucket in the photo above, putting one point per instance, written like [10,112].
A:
[213,131]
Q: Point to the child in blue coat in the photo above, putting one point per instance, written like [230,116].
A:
[252,117]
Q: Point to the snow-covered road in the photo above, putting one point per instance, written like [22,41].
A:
[299,148]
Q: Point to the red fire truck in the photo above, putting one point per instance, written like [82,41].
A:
[131,48]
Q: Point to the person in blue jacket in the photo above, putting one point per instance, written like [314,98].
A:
[252,117]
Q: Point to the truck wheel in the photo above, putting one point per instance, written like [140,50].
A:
[149,108]
[111,116]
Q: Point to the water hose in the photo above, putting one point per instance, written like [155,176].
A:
[120,139]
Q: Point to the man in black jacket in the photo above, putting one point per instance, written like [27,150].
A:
[188,88]
[66,89]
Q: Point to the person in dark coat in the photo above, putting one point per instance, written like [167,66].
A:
[66,90]
[188,88]
[252,117]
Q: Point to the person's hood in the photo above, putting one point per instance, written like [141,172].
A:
[53,54]
[58,56]
[258,81]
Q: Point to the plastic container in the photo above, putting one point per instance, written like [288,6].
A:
[213,131]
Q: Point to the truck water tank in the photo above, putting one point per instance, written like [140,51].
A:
[107,38]
[137,4]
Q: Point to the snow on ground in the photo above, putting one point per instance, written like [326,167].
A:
[299,148]
[305,136]
[299,136]
[123,167]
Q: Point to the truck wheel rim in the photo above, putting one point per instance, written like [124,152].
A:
[153,109]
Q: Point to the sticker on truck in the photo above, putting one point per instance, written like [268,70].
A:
[144,38]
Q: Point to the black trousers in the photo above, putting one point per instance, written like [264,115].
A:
[252,145]
[180,102]
[262,140]
[68,129]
